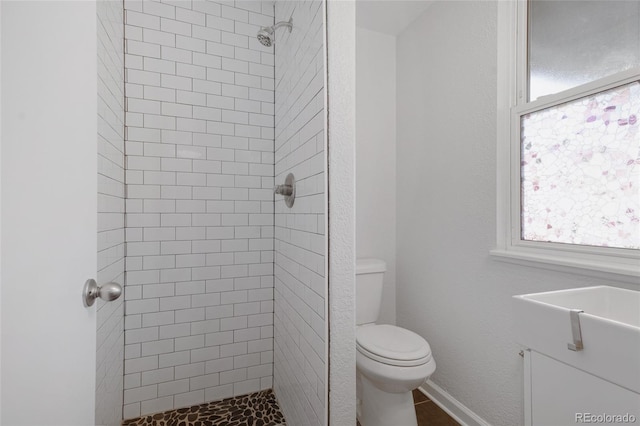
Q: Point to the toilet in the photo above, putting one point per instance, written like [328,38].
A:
[390,361]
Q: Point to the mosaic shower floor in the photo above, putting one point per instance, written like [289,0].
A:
[256,409]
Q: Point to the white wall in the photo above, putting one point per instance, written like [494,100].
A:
[449,289]
[300,279]
[49,219]
[341,102]
[199,291]
[1,116]
[110,316]
[376,157]
[1,217]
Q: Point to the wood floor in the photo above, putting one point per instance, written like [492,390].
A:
[428,412]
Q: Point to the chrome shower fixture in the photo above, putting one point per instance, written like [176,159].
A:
[267,35]
[288,190]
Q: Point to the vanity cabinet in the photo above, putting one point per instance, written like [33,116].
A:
[557,394]
[582,356]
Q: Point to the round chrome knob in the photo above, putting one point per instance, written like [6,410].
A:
[107,292]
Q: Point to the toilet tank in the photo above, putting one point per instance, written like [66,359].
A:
[369,280]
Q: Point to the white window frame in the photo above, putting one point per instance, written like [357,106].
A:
[619,264]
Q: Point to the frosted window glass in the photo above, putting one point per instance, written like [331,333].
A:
[576,42]
[580,171]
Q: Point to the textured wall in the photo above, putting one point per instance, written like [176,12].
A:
[341,88]
[449,289]
[376,157]
[111,250]
[199,321]
[300,284]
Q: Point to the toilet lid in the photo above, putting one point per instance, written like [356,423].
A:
[392,345]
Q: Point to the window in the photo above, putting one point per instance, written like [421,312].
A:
[579,170]
[569,134]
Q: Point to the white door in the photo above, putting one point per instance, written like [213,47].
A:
[48,216]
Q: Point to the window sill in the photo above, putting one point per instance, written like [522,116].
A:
[627,271]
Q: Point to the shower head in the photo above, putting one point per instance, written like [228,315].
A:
[267,35]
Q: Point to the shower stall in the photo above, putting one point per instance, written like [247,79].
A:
[212,206]
[225,284]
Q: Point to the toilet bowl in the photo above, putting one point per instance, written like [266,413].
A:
[390,361]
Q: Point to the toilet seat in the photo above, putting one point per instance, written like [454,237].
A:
[392,345]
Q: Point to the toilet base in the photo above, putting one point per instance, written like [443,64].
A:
[380,408]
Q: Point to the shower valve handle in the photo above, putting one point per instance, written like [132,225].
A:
[288,190]
[284,189]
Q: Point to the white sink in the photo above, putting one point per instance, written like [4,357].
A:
[609,325]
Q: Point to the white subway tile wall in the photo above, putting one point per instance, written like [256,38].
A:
[200,212]
[300,283]
[111,203]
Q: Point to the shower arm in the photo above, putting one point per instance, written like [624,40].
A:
[288,24]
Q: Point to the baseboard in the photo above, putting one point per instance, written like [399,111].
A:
[451,406]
